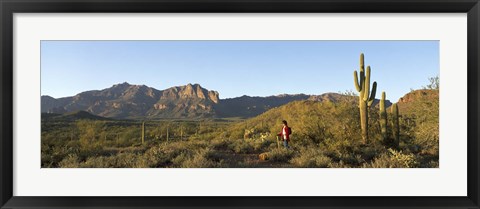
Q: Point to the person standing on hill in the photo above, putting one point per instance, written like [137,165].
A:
[285,134]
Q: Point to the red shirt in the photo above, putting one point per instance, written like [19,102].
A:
[285,130]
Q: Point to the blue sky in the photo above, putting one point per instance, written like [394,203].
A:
[236,68]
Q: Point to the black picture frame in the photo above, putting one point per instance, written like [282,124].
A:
[9,7]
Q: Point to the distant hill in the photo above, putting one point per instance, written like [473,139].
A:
[72,116]
[247,106]
[334,114]
[307,118]
[191,101]
[418,100]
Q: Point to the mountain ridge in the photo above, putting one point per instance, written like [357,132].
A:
[127,101]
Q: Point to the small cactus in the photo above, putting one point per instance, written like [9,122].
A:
[383,118]
[395,124]
[366,97]
[278,142]
[181,132]
[167,133]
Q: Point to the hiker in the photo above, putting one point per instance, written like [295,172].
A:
[285,134]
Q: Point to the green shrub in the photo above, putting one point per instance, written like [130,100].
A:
[198,159]
[219,144]
[280,155]
[260,146]
[155,157]
[393,159]
[71,161]
[241,146]
[311,158]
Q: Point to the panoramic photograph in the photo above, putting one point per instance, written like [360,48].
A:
[240,104]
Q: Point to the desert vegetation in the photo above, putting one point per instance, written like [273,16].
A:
[354,131]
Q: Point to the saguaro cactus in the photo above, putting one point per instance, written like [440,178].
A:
[181,132]
[365,97]
[395,124]
[167,133]
[383,118]
[143,132]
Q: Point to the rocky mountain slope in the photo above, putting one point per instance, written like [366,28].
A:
[126,101]
[418,101]
[138,101]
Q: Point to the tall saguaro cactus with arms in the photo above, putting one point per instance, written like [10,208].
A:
[383,118]
[395,124]
[365,97]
